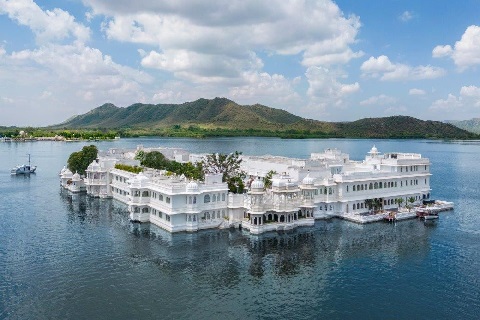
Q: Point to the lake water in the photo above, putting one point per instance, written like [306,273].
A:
[64,257]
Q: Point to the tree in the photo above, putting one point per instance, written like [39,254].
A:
[411,200]
[377,204]
[267,180]
[399,201]
[79,161]
[369,204]
[192,171]
[140,155]
[155,160]
[229,166]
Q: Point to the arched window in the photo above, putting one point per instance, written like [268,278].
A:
[375,186]
[347,188]
[362,186]
[145,194]
[206,199]
[190,199]
[145,210]
[370,186]
[194,199]
[353,188]
[214,198]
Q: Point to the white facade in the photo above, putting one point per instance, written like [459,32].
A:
[327,184]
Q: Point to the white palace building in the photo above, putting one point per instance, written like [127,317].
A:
[325,185]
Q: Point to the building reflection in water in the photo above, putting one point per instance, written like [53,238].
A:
[221,257]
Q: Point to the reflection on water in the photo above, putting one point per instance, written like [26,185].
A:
[279,254]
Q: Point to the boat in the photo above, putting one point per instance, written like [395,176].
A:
[430,217]
[24,168]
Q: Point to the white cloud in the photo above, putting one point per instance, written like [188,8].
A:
[378,100]
[230,33]
[263,87]
[166,96]
[48,26]
[7,100]
[325,89]
[468,97]
[45,95]
[395,110]
[406,16]
[470,91]
[442,51]
[72,78]
[471,95]
[466,52]
[201,68]
[416,92]
[384,69]
[451,103]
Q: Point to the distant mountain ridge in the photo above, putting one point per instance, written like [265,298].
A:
[224,114]
[472,125]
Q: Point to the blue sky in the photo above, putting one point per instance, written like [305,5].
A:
[325,60]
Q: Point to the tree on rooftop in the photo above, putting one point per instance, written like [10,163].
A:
[229,166]
[155,160]
[267,180]
[79,161]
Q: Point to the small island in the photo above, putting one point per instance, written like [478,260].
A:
[179,191]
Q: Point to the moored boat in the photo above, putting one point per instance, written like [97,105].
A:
[24,168]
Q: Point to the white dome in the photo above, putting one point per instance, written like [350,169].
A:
[76,177]
[290,184]
[308,180]
[94,166]
[374,150]
[192,186]
[257,184]
[67,173]
[138,181]
[279,183]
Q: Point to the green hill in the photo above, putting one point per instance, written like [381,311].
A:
[472,125]
[223,117]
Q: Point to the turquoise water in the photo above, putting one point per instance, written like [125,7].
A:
[80,258]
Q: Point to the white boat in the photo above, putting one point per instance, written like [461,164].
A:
[430,217]
[24,168]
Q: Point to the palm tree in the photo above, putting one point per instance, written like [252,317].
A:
[377,203]
[369,204]
[410,200]
[267,180]
[399,201]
